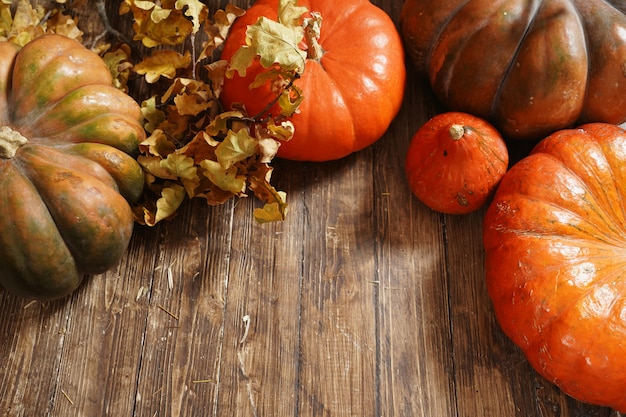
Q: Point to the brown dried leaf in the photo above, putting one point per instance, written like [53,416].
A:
[65,25]
[217,29]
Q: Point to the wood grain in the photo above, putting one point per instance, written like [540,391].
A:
[362,303]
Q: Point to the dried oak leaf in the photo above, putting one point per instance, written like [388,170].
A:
[23,26]
[166,206]
[217,29]
[157,23]
[65,25]
[194,149]
[151,114]
[194,10]
[118,61]
[162,63]
[191,97]
[27,22]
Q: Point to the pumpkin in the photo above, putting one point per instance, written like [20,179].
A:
[353,88]
[530,68]
[554,238]
[67,167]
[455,161]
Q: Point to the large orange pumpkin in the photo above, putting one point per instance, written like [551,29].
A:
[529,67]
[67,173]
[352,91]
[555,245]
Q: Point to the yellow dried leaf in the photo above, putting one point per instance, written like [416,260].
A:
[144,4]
[191,104]
[25,24]
[217,29]
[195,10]
[226,179]
[235,147]
[65,25]
[176,125]
[171,198]
[180,166]
[153,116]
[157,144]
[118,62]
[6,20]
[194,148]
[271,212]
[157,24]
[290,14]
[216,71]
[162,63]
[152,165]
[159,14]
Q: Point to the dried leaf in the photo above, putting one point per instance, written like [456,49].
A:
[153,116]
[157,144]
[180,166]
[194,149]
[171,198]
[156,25]
[236,147]
[226,179]
[217,29]
[25,23]
[162,63]
[195,10]
[119,64]
[290,14]
[65,25]
[6,20]
[271,212]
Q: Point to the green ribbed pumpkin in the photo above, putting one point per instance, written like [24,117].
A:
[67,167]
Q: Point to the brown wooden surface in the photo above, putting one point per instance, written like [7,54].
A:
[362,303]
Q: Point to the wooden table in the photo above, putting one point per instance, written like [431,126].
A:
[362,303]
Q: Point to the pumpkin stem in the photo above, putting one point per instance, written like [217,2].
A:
[312,29]
[10,141]
[457,132]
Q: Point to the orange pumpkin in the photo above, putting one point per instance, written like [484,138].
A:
[353,89]
[455,161]
[554,238]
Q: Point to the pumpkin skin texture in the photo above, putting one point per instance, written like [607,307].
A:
[455,162]
[67,169]
[352,93]
[530,68]
[554,238]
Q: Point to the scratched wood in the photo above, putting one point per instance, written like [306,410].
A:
[362,303]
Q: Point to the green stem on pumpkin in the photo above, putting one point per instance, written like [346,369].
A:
[10,141]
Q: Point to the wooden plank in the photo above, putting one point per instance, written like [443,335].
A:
[31,339]
[259,362]
[179,364]
[481,364]
[338,350]
[415,350]
[98,340]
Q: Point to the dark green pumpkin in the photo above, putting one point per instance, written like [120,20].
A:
[67,169]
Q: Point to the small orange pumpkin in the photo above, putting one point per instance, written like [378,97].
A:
[455,162]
